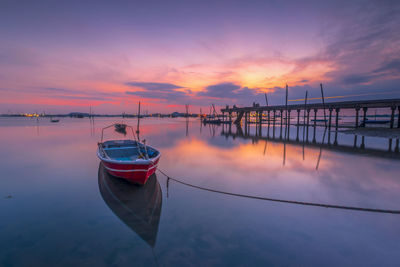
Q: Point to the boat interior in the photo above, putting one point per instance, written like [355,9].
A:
[127,150]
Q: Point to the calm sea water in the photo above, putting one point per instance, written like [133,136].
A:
[58,208]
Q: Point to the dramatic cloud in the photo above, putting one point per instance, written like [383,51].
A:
[154,86]
[160,91]
[222,90]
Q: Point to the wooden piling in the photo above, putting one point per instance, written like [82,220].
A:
[273,124]
[392,117]
[281,123]
[364,115]
[298,124]
[308,121]
[336,126]
[288,124]
[315,125]
[330,118]
[337,118]
[357,111]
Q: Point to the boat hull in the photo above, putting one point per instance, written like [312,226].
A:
[134,173]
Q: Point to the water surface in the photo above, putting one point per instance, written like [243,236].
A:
[59,208]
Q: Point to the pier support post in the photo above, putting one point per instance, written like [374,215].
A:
[396,149]
[362,142]
[398,117]
[280,136]
[392,117]
[330,118]
[308,121]
[260,121]
[315,125]
[336,126]
[355,141]
[288,124]
[273,124]
[330,125]
[390,145]
[364,115]
[298,124]
[357,111]
[269,118]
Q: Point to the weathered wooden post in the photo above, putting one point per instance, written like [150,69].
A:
[273,124]
[393,108]
[260,120]
[396,149]
[315,125]
[390,145]
[288,124]
[298,124]
[269,118]
[337,118]
[281,123]
[362,142]
[336,126]
[357,111]
[308,121]
[365,115]
[355,141]
[398,117]
[330,118]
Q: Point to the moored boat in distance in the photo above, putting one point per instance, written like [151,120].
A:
[54,120]
[128,159]
[120,128]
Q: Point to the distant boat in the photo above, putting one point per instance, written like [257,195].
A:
[120,128]
[215,121]
[128,159]
[138,207]
[54,120]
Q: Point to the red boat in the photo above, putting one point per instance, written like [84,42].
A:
[128,159]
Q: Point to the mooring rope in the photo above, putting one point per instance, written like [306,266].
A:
[281,200]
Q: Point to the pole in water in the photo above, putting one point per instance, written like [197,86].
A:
[138,122]
[266,99]
[304,119]
[323,103]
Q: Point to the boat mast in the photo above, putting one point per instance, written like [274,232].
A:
[138,122]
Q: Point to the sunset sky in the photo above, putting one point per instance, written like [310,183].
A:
[63,56]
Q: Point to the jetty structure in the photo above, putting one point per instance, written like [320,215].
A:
[284,112]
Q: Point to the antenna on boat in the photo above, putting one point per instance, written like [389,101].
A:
[138,122]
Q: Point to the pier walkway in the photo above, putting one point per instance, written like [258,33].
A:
[330,107]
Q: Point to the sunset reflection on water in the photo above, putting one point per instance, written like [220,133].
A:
[56,214]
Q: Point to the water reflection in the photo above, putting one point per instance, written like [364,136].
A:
[139,207]
[354,149]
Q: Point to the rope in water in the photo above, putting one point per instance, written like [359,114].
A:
[282,200]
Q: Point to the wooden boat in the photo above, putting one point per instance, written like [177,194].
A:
[54,120]
[139,207]
[128,159]
[120,128]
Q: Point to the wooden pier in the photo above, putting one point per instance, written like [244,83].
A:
[333,108]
